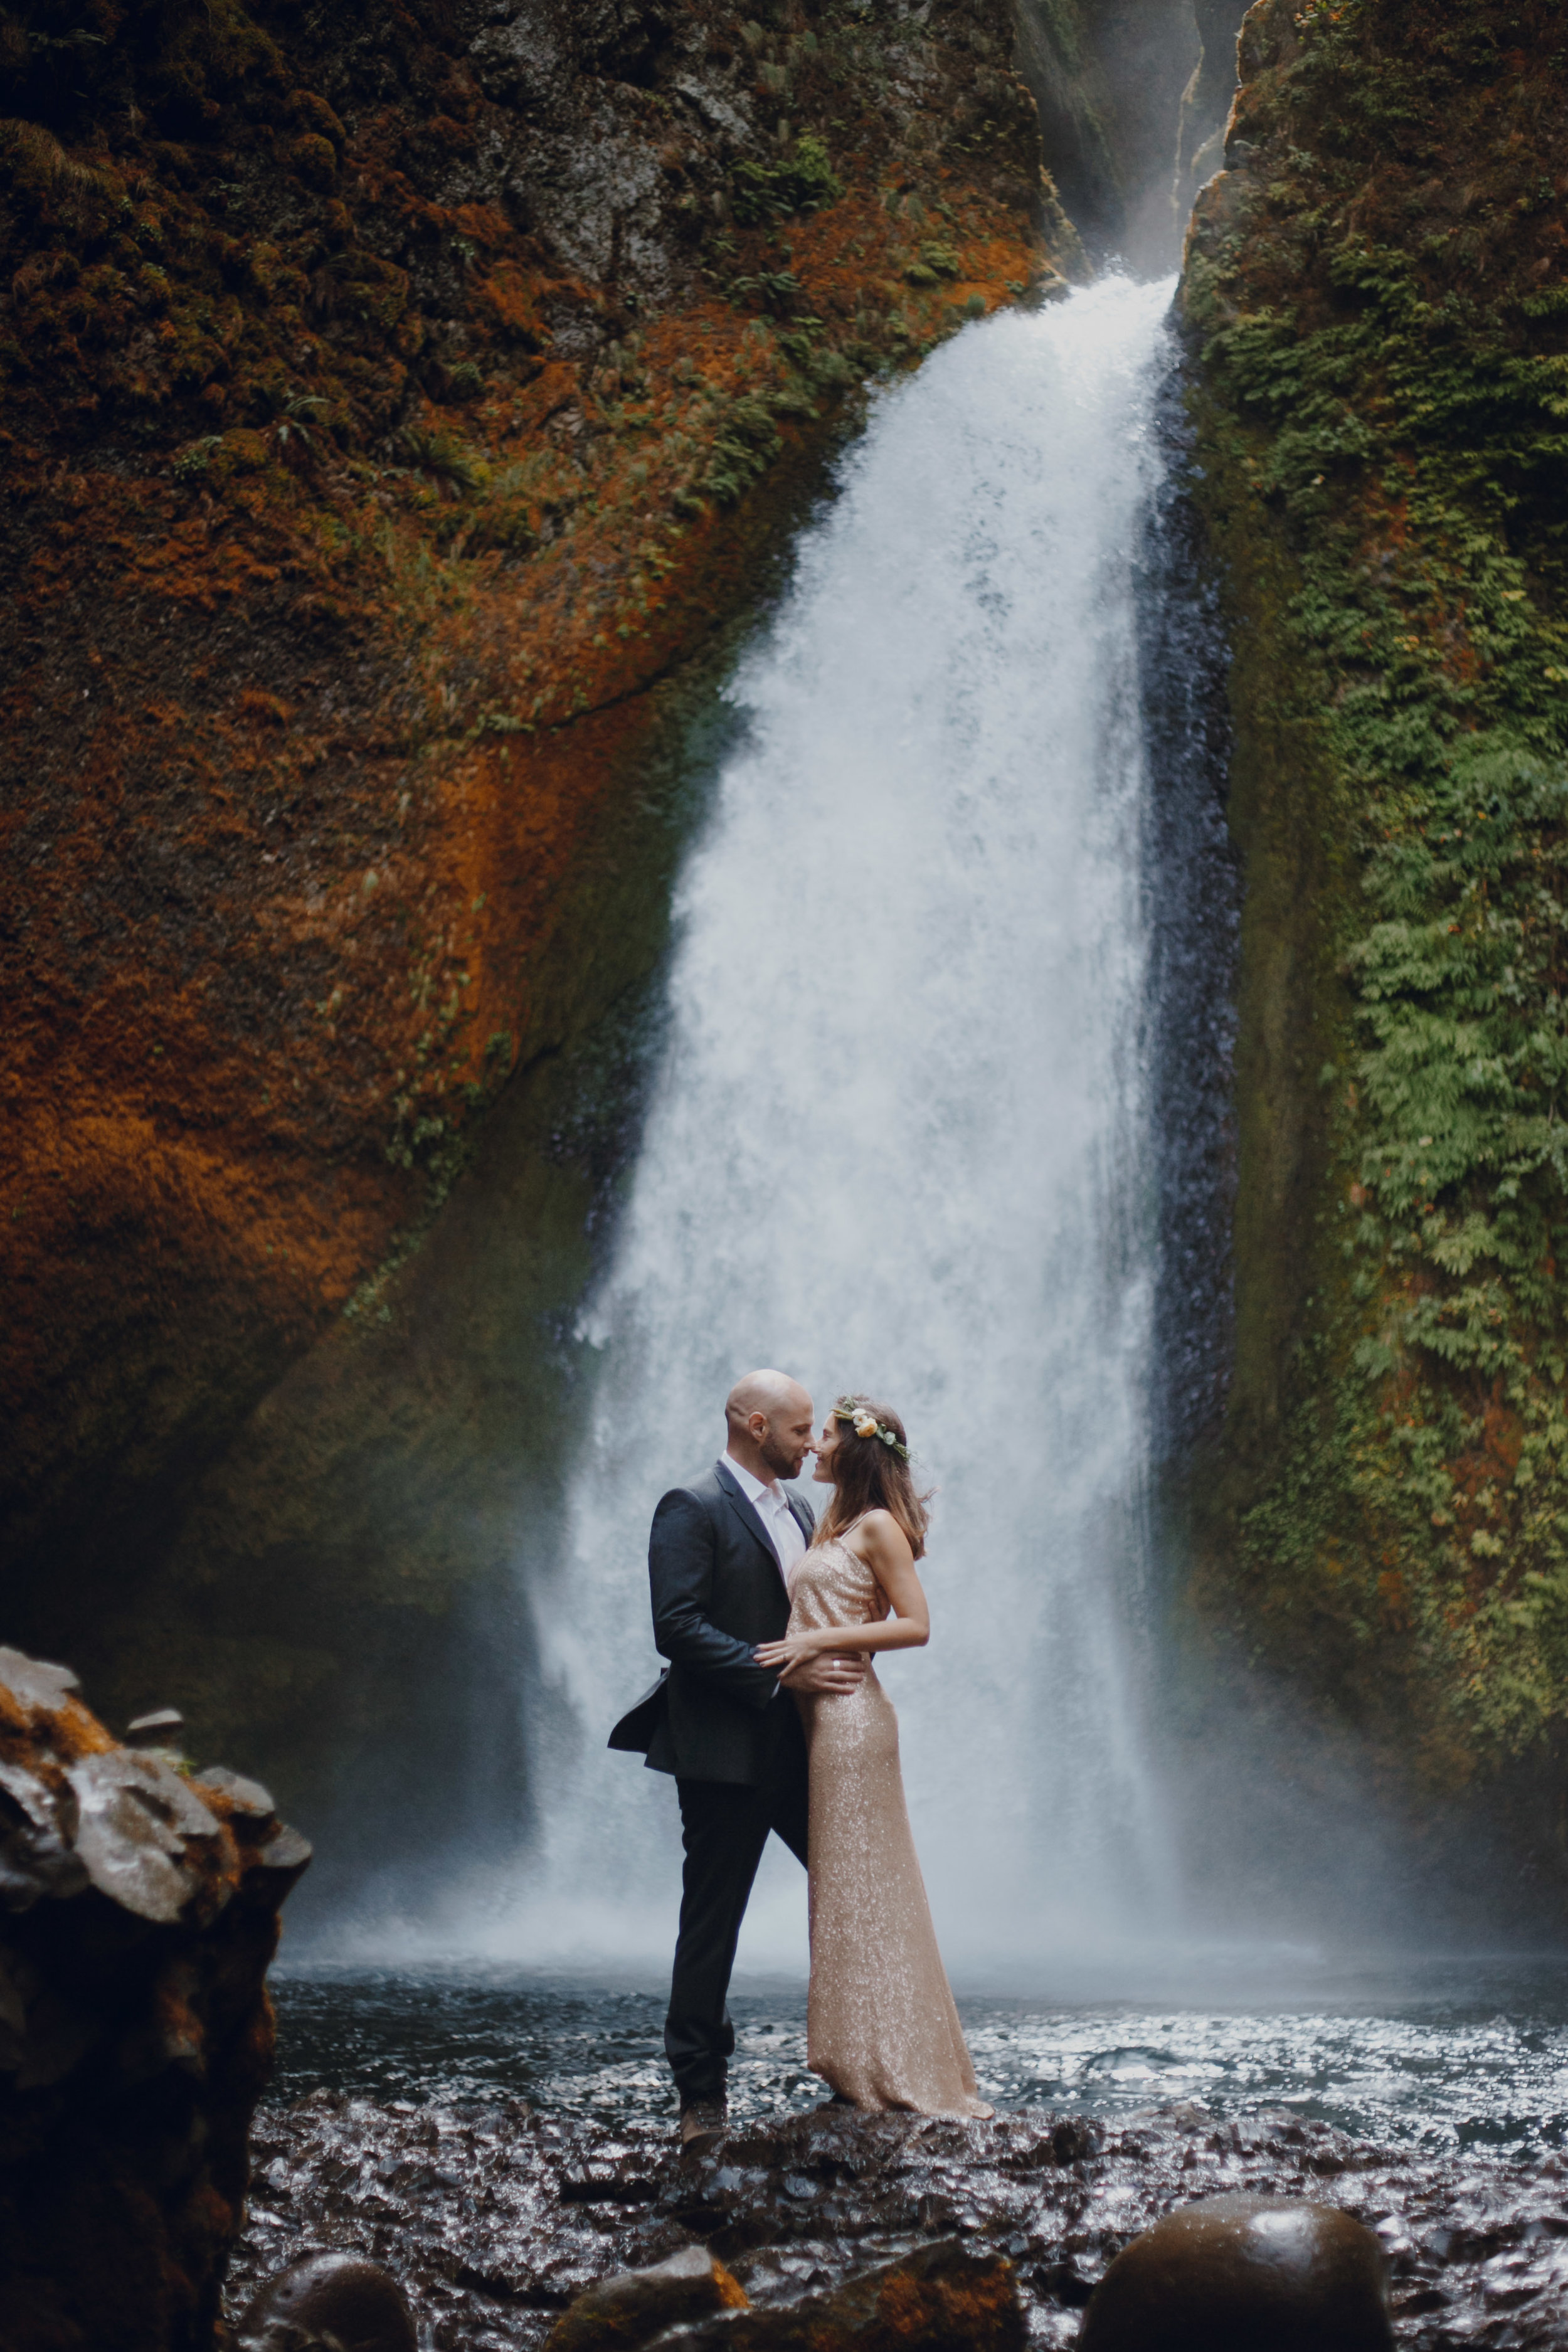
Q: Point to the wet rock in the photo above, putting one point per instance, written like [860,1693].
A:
[138,1914]
[283,1854]
[38,1823]
[163,1728]
[249,1805]
[632,2305]
[1244,2274]
[344,2301]
[930,2299]
[479,2207]
[136,1822]
[33,1685]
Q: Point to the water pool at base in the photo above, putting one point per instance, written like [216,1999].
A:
[1442,2056]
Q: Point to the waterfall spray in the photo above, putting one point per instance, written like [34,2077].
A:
[899,1143]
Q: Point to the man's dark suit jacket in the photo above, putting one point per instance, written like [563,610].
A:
[715,1714]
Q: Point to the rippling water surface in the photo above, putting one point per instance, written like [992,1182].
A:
[1443,2056]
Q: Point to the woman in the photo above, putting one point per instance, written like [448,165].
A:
[881,2028]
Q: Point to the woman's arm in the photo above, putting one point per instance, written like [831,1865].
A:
[882,1544]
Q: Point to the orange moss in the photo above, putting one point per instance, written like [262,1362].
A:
[980,2311]
[46,1739]
[732,2294]
[327,675]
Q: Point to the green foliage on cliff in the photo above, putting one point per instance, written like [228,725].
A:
[1384,349]
[803,182]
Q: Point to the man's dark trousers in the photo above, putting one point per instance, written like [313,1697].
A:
[723,1829]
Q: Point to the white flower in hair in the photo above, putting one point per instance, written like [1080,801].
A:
[864,1424]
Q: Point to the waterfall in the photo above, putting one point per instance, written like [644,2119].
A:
[898,1141]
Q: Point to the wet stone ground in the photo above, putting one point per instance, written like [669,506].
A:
[496,2216]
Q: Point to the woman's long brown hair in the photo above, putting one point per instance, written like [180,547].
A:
[868,1476]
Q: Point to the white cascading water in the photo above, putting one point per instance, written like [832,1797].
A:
[898,1144]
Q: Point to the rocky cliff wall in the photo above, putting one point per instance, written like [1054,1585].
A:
[395,405]
[1133,96]
[1376,299]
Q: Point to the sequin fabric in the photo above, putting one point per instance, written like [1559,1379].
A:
[880,2023]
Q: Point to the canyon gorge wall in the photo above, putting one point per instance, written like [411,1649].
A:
[1376,304]
[397,409]
[1133,96]
[402,414]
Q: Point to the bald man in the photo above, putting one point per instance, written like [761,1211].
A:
[719,1563]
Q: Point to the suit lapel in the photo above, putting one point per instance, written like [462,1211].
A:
[803,1518]
[747,1516]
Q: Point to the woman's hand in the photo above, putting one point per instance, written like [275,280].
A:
[792,1651]
[814,1662]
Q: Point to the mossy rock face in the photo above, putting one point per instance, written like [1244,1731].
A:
[1376,300]
[391,404]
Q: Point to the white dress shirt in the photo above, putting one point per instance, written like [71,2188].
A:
[779,1522]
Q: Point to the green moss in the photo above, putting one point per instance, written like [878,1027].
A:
[805,183]
[1383,417]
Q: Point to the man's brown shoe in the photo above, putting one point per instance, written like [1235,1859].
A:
[703,2122]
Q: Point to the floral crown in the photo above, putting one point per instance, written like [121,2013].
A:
[865,1424]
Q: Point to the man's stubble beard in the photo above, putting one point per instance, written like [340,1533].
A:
[782,1461]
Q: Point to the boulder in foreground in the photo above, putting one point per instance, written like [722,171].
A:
[1245,2274]
[931,2299]
[342,2300]
[631,2305]
[138,1913]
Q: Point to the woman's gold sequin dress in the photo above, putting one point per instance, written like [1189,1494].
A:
[880,2023]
